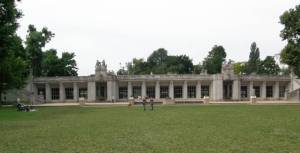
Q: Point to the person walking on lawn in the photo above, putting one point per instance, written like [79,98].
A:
[151,103]
[144,103]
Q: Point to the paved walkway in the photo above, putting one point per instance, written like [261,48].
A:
[86,104]
[126,103]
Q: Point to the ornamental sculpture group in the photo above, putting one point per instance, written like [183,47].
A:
[101,66]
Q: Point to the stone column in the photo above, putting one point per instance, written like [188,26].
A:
[157,90]
[263,90]
[236,90]
[144,89]
[48,92]
[116,91]
[171,90]
[251,90]
[211,86]
[61,92]
[110,90]
[185,90]
[129,90]
[75,91]
[276,90]
[91,91]
[217,87]
[198,90]
[35,93]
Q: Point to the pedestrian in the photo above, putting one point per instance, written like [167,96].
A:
[151,103]
[144,103]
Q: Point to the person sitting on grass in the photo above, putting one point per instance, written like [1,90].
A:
[22,107]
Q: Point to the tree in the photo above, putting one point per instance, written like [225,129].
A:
[239,68]
[290,54]
[35,42]
[68,64]
[158,57]
[197,69]
[269,66]
[254,59]
[213,62]
[52,65]
[13,65]
[137,66]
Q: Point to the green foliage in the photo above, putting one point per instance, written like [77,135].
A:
[47,63]
[198,69]
[13,63]
[285,71]
[35,42]
[158,57]
[159,62]
[213,62]
[239,68]
[254,59]
[52,65]
[290,55]
[269,66]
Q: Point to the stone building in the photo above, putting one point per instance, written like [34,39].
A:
[104,86]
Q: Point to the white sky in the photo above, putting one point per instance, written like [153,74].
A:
[119,30]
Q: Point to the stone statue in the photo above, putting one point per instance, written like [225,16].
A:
[227,67]
[101,66]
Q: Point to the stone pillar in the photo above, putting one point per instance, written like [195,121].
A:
[48,92]
[61,92]
[157,90]
[185,92]
[251,90]
[198,90]
[144,89]
[171,90]
[129,90]
[236,90]
[116,91]
[217,88]
[75,91]
[91,91]
[35,93]
[111,91]
[263,90]
[276,90]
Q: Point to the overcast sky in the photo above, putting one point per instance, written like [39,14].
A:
[119,30]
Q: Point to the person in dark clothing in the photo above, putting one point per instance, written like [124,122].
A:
[144,103]
[22,107]
[151,103]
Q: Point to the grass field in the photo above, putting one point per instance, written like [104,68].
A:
[173,129]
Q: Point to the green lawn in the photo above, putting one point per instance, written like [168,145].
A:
[173,129]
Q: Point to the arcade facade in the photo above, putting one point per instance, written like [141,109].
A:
[107,87]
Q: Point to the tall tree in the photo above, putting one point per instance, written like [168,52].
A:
[35,42]
[13,72]
[52,65]
[269,66]
[254,59]
[68,64]
[158,57]
[290,55]
[213,62]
